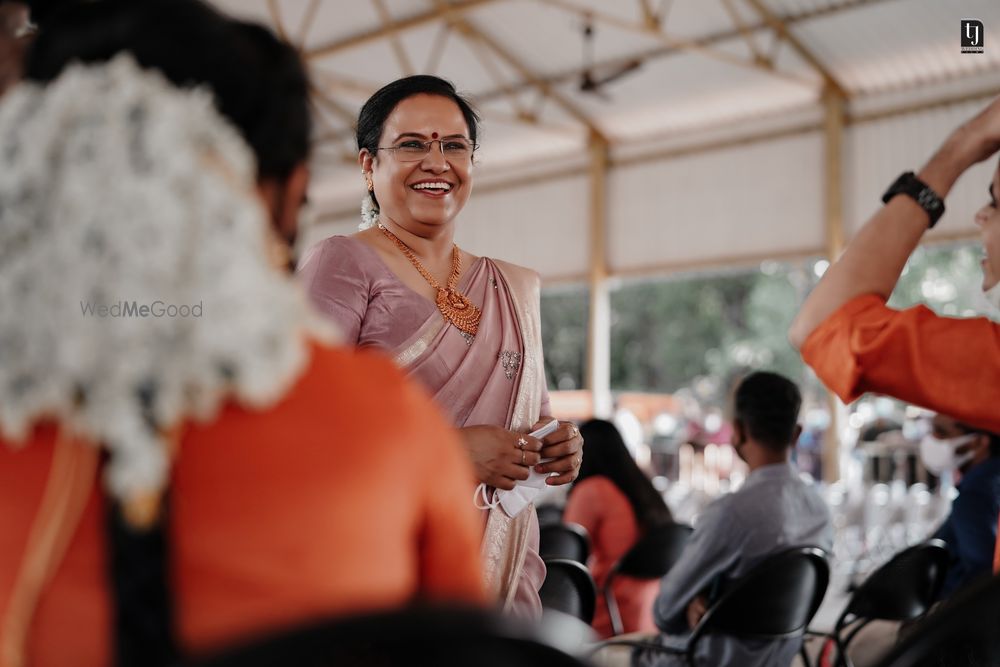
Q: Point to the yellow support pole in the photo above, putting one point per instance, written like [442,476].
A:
[833,144]
[599,320]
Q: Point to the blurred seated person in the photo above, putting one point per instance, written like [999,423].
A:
[174,481]
[615,501]
[772,511]
[970,531]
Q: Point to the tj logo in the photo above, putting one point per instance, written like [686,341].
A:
[973,36]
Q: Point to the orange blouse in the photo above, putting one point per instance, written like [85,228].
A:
[350,494]
[945,364]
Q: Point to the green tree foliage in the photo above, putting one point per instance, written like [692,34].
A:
[947,278]
[700,331]
[564,336]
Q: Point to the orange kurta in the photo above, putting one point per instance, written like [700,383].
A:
[945,364]
[350,494]
[599,505]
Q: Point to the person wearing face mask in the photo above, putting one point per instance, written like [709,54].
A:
[773,510]
[174,483]
[467,328]
[857,344]
[970,531]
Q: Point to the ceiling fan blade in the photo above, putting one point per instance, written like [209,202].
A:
[615,74]
[600,92]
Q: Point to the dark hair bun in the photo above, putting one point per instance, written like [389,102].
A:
[258,81]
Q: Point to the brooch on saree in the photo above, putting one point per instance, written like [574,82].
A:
[511,361]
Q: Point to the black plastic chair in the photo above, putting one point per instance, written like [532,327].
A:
[775,600]
[901,590]
[964,631]
[650,558]
[549,514]
[564,540]
[569,588]
[421,636]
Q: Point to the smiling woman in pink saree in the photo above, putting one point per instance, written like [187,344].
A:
[466,327]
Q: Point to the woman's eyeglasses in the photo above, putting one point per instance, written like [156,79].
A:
[413,150]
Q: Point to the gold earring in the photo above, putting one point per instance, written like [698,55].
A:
[368,181]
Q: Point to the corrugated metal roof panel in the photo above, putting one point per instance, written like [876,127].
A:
[897,50]
[894,45]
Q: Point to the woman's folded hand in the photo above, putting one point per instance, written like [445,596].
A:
[565,447]
[498,456]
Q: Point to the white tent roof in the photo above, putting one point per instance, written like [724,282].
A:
[712,74]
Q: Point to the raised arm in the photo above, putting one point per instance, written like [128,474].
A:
[874,259]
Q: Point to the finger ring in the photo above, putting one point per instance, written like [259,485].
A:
[522,457]
[574,431]
[522,443]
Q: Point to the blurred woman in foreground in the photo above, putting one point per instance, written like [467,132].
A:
[173,474]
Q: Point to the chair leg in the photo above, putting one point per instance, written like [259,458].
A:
[843,642]
[613,612]
[843,660]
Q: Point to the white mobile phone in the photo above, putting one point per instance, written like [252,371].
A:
[545,430]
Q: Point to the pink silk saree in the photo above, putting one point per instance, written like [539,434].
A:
[496,378]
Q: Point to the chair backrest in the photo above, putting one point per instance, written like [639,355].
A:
[655,552]
[421,636]
[774,600]
[902,589]
[549,514]
[650,558]
[569,588]
[564,540]
[964,631]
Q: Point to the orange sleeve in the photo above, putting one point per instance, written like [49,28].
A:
[451,568]
[944,364]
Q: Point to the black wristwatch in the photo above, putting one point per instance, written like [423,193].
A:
[911,186]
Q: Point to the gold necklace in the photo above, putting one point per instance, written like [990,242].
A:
[454,306]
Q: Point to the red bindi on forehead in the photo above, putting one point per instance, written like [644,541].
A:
[434,135]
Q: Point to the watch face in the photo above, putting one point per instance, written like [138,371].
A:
[928,200]
[911,186]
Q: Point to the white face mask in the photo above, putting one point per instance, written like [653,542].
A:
[513,501]
[939,456]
